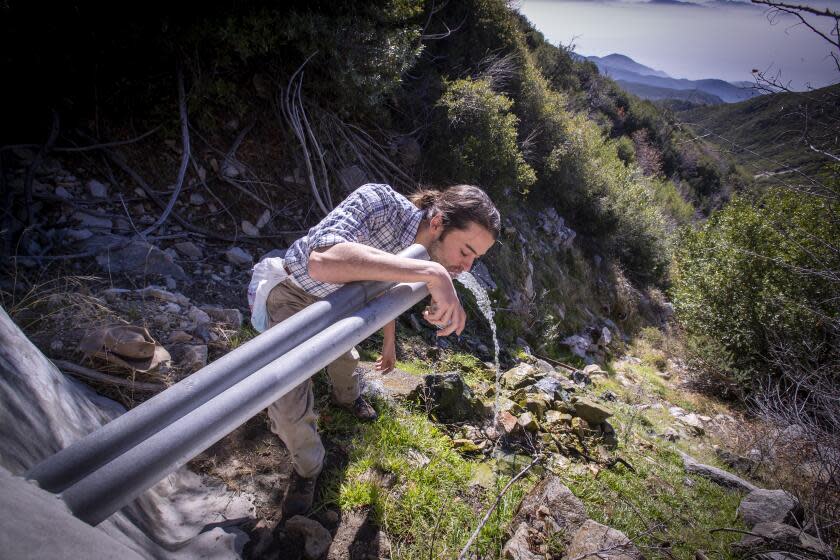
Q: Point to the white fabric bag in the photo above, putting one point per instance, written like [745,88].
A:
[266,275]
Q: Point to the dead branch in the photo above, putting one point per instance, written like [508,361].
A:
[87,373]
[493,507]
[291,105]
[185,158]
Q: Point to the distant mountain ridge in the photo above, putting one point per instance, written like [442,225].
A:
[652,84]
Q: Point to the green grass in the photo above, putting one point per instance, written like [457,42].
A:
[664,511]
[415,367]
[430,509]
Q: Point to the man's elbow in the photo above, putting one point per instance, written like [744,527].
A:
[315,266]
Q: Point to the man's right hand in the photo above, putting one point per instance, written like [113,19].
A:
[445,311]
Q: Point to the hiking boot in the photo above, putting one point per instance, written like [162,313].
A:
[361,409]
[299,496]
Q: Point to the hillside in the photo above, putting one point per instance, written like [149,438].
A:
[156,155]
[655,93]
[775,137]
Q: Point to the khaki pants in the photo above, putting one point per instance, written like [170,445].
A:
[293,416]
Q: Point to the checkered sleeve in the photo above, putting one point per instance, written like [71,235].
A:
[359,218]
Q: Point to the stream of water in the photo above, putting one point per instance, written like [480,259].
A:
[484,304]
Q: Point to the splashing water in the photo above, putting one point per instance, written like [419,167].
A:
[484,304]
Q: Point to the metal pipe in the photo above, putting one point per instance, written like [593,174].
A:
[72,463]
[105,490]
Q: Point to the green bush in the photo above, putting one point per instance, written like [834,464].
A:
[760,273]
[481,137]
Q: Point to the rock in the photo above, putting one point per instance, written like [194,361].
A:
[178,337]
[517,547]
[693,422]
[239,256]
[775,535]
[140,258]
[193,357]
[593,369]
[581,378]
[163,295]
[483,476]
[317,539]
[170,282]
[97,189]
[551,507]
[197,316]
[592,412]
[606,337]
[519,376]
[536,405]
[264,218]
[762,506]
[552,387]
[395,384]
[274,253]
[482,274]
[716,475]
[594,541]
[449,398]
[189,250]
[197,199]
[507,422]
[577,344]
[542,365]
[61,192]
[249,229]
[230,317]
[528,422]
[670,434]
[358,536]
[735,461]
[555,419]
[91,221]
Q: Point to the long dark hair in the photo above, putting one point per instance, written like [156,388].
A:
[459,205]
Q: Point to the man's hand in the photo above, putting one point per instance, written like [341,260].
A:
[445,311]
[388,359]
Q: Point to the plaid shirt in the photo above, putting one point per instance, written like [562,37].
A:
[375,215]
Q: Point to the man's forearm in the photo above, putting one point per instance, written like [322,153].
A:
[350,262]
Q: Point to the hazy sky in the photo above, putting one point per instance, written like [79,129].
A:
[692,38]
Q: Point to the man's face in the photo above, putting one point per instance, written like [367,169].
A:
[457,249]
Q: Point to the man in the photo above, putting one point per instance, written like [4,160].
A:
[358,241]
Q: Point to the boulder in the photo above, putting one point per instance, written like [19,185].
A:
[316,538]
[594,541]
[550,386]
[97,189]
[536,405]
[189,250]
[577,344]
[239,256]
[396,383]
[528,422]
[141,258]
[448,397]
[517,548]
[506,422]
[694,422]
[551,507]
[716,475]
[762,506]
[230,317]
[775,536]
[555,420]
[249,229]
[519,376]
[193,357]
[592,412]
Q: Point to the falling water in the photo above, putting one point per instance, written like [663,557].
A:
[483,301]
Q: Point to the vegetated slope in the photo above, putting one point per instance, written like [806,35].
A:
[776,135]
[655,93]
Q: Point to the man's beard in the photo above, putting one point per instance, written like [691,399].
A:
[436,255]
